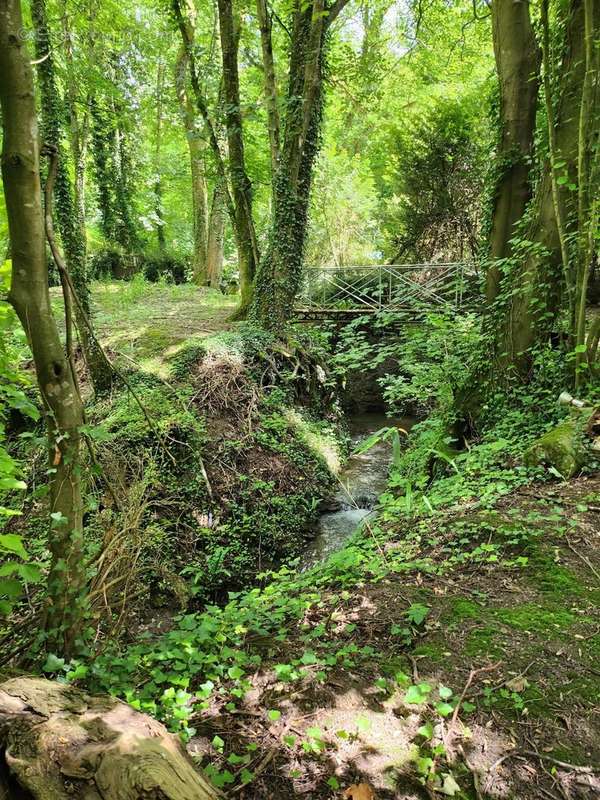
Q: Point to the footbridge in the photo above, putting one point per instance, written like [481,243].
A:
[344,292]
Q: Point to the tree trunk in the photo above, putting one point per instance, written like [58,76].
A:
[517,65]
[197,155]
[279,273]
[216,236]
[70,223]
[58,743]
[158,192]
[30,298]
[264,21]
[240,183]
[537,281]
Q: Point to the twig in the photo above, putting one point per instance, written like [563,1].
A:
[585,559]
[564,764]
[472,675]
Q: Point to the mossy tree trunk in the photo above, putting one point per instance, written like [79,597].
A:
[158,190]
[264,16]
[517,63]
[197,155]
[536,282]
[30,297]
[70,223]
[184,15]
[245,234]
[216,237]
[279,273]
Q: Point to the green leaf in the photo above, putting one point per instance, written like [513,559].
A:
[416,695]
[235,672]
[445,693]
[450,787]
[444,709]
[13,543]
[426,730]
[218,743]
[10,587]
[30,573]
[274,715]
[417,613]
[53,663]
[246,776]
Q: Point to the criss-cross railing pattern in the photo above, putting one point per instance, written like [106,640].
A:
[393,287]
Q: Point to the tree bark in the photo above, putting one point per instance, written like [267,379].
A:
[537,282]
[158,191]
[517,65]
[30,298]
[216,236]
[58,743]
[271,100]
[248,256]
[279,273]
[199,191]
[70,222]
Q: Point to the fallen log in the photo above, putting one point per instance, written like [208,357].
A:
[59,743]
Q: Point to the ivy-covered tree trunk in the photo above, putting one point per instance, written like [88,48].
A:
[279,273]
[197,154]
[536,284]
[70,224]
[113,168]
[30,298]
[517,65]
[240,182]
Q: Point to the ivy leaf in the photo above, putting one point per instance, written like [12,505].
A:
[417,613]
[53,663]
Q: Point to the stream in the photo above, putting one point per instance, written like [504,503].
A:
[361,481]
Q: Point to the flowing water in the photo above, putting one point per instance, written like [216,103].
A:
[362,480]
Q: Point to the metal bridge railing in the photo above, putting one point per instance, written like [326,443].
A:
[383,287]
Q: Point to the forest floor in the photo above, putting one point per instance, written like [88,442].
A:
[150,322]
[470,656]
[518,640]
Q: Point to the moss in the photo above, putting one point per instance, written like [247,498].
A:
[535,618]
[561,448]
[552,578]
[462,609]
[481,641]
[432,651]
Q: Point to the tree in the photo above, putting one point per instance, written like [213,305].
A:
[30,298]
[197,155]
[238,197]
[517,65]
[69,212]
[279,272]
[241,187]
[541,272]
